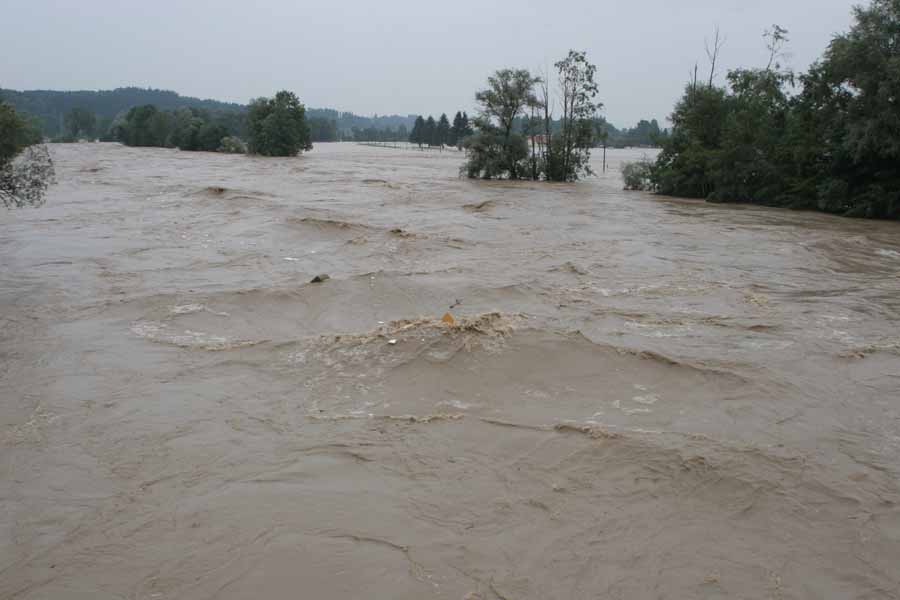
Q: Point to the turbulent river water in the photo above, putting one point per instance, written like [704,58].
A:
[637,397]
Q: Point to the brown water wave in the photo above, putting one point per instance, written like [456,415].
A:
[631,396]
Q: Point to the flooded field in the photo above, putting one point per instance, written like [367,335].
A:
[636,397]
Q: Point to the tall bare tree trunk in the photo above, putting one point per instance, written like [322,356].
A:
[545,90]
[713,54]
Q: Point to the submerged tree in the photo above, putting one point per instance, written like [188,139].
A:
[26,168]
[568,155]
[496,150]
[277,126]
[559,150]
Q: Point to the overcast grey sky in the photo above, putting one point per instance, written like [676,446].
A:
[393,56]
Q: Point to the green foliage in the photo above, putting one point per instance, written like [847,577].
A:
[323,130]
[442,132]
[80,123]
[16,133]
[141,127]
[834,146]
[51,107]
[569,153]
[645,134]
[233,145]
[418,134]
[185,128]
[492,154]
[430,132]
[684,167]
[277,126]
[26,169]
[509,107]
[373,134]
[496,151]
[638,175]
[460,130]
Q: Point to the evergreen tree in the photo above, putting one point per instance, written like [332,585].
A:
[430,131]
[418,133]
[443,131]
[466,127]
[455,136]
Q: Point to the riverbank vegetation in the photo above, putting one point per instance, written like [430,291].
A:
[184,128]
[828,139]
[272,127]
[26,169]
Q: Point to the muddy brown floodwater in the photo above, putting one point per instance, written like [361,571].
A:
[638,398]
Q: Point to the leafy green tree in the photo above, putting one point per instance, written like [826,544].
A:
[232,145]
[136,129]
[210,136]
[277,126]
[834,147]
[749,165]
[185,129]
[638,175]
[323,130]
[684,166]
[16,133]
[160,127]
[490,152]
[443,131]
[568,155]
[80,122]
[848,119]
[26,168]
[496,150]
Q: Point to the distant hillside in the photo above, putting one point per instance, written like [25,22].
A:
[50,107]
[347,120]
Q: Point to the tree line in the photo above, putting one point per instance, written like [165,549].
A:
[182,128]
[272,127]
[827,139]
[52,109]
[440,133]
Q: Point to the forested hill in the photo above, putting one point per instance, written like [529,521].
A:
[51,106]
